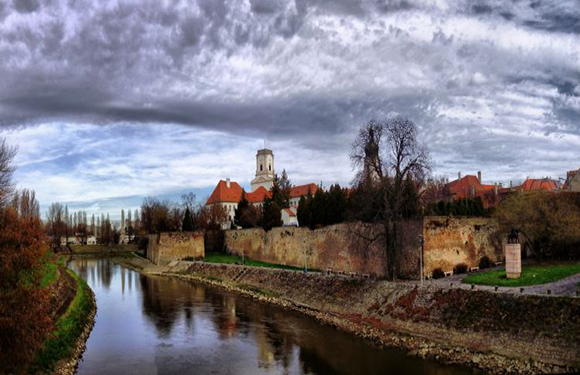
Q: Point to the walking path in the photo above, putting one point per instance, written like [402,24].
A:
[567,286]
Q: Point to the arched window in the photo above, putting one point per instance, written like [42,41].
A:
[270,167]
[261,167]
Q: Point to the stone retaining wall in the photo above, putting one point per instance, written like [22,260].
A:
[450,241]
[168,246]
[338,247]
[360,248]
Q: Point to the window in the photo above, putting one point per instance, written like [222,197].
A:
[270,167]
[261,167]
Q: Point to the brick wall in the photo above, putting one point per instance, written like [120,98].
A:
[168,246]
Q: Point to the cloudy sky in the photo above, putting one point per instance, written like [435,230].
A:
[110,101]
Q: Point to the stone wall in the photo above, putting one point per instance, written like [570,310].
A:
[168,246]
[339,247]
[343,247]
[450,241]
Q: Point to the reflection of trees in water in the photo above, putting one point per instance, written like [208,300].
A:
[165,300]
[105,272]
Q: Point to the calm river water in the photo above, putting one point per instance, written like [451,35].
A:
[157,325]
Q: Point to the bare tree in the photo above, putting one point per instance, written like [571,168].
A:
[56,223]
[387,155]
[7,154]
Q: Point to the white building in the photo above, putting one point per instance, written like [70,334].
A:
[264,170]
[289,217]
[228,193]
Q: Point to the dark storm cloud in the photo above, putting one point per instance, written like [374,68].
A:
[466,72]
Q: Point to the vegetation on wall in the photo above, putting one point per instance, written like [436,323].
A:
[548,223]
[460,207]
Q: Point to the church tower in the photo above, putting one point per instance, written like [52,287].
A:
[264,170]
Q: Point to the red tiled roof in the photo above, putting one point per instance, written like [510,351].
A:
[222,193]
[302,190]
[462,188]
[233,194]
[290,212]
[532,184]
[258,195]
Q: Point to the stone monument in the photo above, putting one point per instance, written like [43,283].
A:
[513,256]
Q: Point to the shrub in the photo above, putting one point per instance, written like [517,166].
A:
[460,268]
[438,273]
[484,262]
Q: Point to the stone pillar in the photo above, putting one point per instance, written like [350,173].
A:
[513,260]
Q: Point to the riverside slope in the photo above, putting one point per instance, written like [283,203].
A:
[499,333]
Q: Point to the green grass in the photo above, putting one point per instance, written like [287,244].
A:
[531,275]
[47,271]
[68,328]
[234,259]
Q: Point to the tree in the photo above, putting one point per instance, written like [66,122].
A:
[547,222]
[303,211]
[386,155]
[56,224]
[247,215]
[285,186]
[271,215]
[24,302]
[7,154]
[187,221]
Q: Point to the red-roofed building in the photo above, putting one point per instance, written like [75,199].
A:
[289,217]
[227,194]
[258,196]
[471,187]
[534,184]
[572,182]
[296,192]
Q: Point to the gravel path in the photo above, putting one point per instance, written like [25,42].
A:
[567,286]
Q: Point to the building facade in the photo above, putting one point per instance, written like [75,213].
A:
[227,194]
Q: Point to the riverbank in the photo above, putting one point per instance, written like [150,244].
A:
[62,350]
[498,333]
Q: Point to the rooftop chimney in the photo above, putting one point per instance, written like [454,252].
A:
[496,189]
[228,183]
[459,176]
[479,176]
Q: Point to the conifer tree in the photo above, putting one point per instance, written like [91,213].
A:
[187,221]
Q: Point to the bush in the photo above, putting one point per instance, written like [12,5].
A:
[438,273]
[460,268]
[485,262]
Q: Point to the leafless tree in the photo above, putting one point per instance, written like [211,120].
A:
[7,154]
[56,223]
[386,154]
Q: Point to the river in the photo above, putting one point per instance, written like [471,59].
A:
[159,325]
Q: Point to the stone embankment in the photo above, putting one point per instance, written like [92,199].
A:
[499,333]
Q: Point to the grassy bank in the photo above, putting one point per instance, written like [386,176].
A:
[531,275]
[233,259]
[69,326]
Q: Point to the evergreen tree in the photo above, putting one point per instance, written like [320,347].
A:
[303,212]
[187,221]
[285,186]
[411,201]
[277,193]
[271,215]
[243,205]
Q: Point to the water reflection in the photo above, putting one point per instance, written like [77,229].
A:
[157,325]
